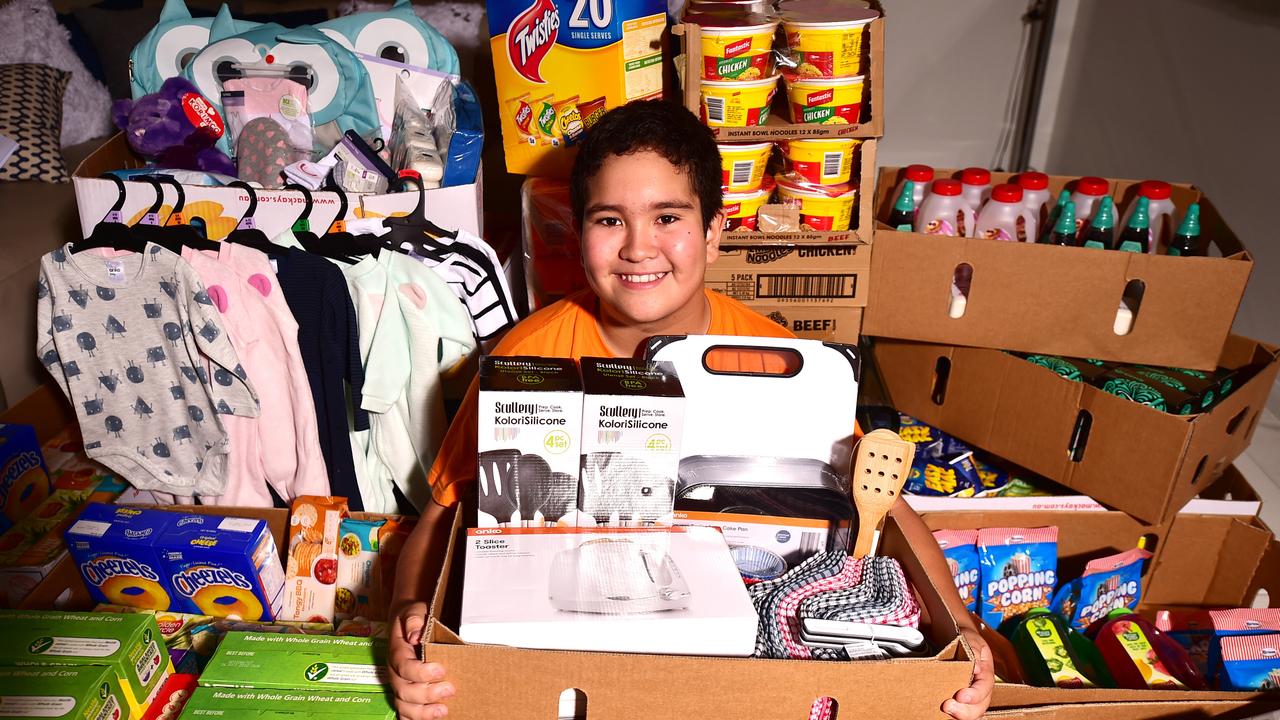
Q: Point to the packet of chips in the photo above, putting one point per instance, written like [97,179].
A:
[591,111]
[1237,623]
[1019,571]
[960,549]
[568,121]
[521,113]
[1251,663]
[1108,583]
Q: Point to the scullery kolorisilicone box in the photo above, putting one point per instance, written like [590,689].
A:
[530,426]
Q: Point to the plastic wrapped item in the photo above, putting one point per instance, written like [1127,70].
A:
[960,548]
[269,126]
[413,140]
[552,260]
[357,168]
[622,490]
[1108,583]
[1019,571]
[465,142]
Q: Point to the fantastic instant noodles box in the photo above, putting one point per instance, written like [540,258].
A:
[116,549]
[223,567]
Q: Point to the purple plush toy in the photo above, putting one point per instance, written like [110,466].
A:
[176,128]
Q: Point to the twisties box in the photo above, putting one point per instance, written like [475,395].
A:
[528,438]
[69,693]
[129,645]
[116,549]
[251,704]
[560,64]
[270,661]
[632,422]
[24,479]
[223,566]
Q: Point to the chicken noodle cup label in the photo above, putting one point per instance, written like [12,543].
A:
[744,53]
[742,166]
[819,210]
[827,49]
[836,101]
[737,104]
[822,161]
[740,209]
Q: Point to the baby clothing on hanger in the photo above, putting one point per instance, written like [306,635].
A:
[474,274]
[134,341]
[366,282]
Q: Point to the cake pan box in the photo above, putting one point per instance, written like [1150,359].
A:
[1034,418]
[1060,300]
[298,662]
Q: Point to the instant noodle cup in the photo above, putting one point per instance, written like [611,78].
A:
[822,161]
[742,165]
[822,207]
[741,103]
[740,208]
[742,6]
[824,47]
[827,101]
[737,52]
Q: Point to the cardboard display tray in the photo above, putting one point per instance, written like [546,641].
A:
[1132,458]
[1060,300]
[619,687]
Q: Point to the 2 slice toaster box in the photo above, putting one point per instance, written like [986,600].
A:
[529,434]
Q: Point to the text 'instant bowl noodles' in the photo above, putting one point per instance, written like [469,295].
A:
[728,103]
[738,53]
[826,49]
[826,207]
[822,161]
[740,209]
[742,165]
[827,101]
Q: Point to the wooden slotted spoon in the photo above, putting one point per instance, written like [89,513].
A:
[882,462]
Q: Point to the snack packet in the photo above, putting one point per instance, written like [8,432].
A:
[1251,663]
[357,558]
[312,570]
[1019,571]
[591,111]
[1193,630]
[544,119]
[568,122]
[1108,583]
[521,113]
[960,549]
[1235,623]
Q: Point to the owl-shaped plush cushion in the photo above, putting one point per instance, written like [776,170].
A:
[339,94]
[171,44]
[396,35]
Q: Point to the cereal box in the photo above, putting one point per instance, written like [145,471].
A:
[251,704]
[71,693]
[24,479]
[357,561]
[116,551]
[298,662]
[312,570]
[560,63]
[172,697]
[129,645]
[223,566]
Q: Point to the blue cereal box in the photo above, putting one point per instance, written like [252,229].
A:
[24,479]
[223,566]
[116,551]
[1019,571]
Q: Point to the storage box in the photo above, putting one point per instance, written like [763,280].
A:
[129,645]
[119,556]
[1060,300]
[833,275]
[815,321]
[223,567]
[1121,453]
[90,692]
[253,704]
[274,661]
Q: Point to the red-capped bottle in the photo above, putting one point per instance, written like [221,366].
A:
[1140,657]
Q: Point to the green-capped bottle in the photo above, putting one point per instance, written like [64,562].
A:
[1054,655]
[1099,234]
[1136,236]
[904,209]
[1052,221]
[1186,241]
[1064,230]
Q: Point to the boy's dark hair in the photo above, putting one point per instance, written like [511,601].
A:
[658,126]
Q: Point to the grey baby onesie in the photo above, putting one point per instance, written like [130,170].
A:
[139,349]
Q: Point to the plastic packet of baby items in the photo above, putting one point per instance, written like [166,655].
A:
[269,125]
[413,138]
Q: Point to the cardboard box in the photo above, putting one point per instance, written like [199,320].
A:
[221,208]
[779,125]
[530,431]
[552,58]
[90,692]
[129,645]
[1163,707]
[1060,300]
[834,275]
[273,661]
[252,704]
[223,567]
[1075,434]
[24,479]
[632,425]
[815,321]
[119,556]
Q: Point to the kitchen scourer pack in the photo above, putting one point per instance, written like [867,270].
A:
[1019,571]
[960,549]
[1107,584]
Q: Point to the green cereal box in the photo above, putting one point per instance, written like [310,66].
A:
[252,704]
[88,692]
[131,645]
[298,662]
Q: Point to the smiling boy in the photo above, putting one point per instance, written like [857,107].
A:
[647,199]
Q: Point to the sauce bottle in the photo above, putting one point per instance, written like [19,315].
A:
[977,186]
[1140,657]
[1159,212]
[1035,195]
[1088,193]
[1054,655]
[1100,233]
[921,175]
[904,209]
[1136,236]
[1186,241]
[1064,230]
[1052,220]
[1004,217]
[944,211]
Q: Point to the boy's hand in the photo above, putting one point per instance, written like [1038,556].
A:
[419,686]
[971,703]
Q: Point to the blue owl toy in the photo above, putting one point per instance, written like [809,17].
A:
[397,36]
[171,44]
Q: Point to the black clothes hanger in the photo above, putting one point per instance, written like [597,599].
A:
[415,229]
[302,226]
[247,232]
[336,243]
[176,225]
[171,238]
[111,232]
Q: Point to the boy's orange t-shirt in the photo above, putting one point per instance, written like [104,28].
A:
[568,328]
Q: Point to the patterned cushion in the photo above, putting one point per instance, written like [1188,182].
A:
[31,115]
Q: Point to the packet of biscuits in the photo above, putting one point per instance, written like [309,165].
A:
[312,568]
